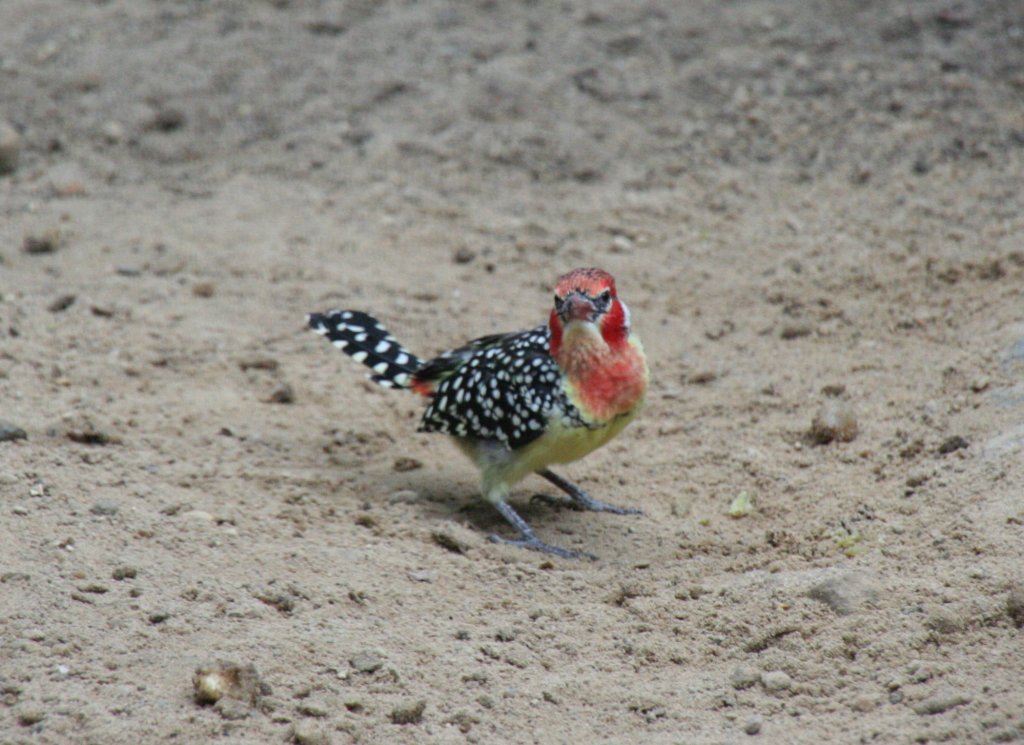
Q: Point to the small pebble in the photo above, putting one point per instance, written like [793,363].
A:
[1015,604]
[464,255]
[834,422]
[123,573]
[61,304]
[940,702]
[315,709]
[10,148]
[105,507]
[9,432]
[307,733]
[204,289]
[404,464]
[158,617]
[366,662]
[864,704]
[754,724]
[232,709]
[918,477]
[411,714]
[113,132]
[744,676]
[213,682]
[421,575]
[846,593]
[951,444]
[796,331]
[44,243]
[776,681]
[282,393]
[30,715]
[168,119]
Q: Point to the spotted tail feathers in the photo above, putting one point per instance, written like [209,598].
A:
[364,339]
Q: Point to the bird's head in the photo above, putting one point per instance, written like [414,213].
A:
[588,308]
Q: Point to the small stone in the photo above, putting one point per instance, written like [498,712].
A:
[282,393]
[918,477]
[168,119]
[864,704]
[834,422]
[44,243]
[36,635]
[420,575]
[796,331]
[61,303]
[258,363]
[895,697]
[204,289]
[776,681]
[113,132]
[158,617]
[10,148]
[1015,604]
[105,507]
[744,676]
[404,464]
[945,621]
[403,496]
[411,714]
[315,709]
[702,377]
[232,709]
[464,255]
[123,573]
[30,715]
[366,662]
[754,724]
[10,432]
[951,444]
[940,702]
[846,593]
[307,733]
[446,540]
[20,510]
[213,682]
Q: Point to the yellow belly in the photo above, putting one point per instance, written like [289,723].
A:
[501,468]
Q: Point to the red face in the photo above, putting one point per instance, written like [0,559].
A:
[588,295]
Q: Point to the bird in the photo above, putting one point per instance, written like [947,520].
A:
[517,403]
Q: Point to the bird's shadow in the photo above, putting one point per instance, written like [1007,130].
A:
[441,497]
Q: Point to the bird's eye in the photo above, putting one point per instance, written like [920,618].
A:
[605,297]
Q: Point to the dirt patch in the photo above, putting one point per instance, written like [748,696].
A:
[812,210]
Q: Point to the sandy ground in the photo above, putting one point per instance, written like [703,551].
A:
[806,205]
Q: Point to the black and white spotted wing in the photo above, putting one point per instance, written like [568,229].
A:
[364,338]
[503,387]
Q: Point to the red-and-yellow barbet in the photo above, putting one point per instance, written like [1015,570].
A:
[517,403]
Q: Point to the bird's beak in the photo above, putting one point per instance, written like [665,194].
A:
[577,307]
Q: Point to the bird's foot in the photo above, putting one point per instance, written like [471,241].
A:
[535,544]
[584,502]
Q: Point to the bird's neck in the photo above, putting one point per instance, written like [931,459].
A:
[605,380]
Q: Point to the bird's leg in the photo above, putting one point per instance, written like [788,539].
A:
[580,498]
[529,540]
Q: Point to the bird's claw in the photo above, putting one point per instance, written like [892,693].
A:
[583,502]
[535,544]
